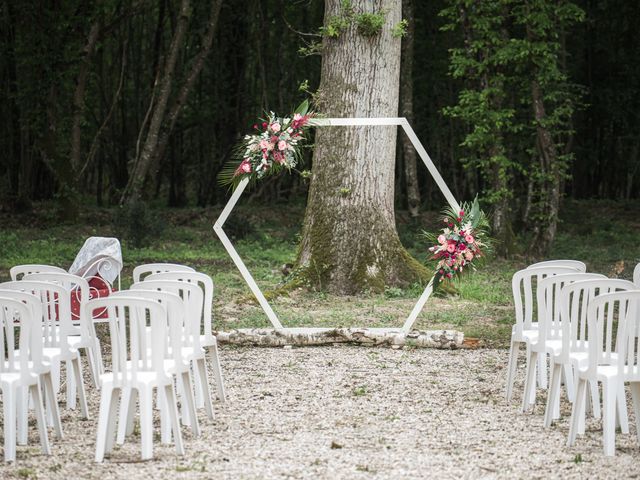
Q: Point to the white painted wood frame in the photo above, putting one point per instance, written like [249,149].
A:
[335,122]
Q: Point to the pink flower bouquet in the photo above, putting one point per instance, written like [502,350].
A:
[462,243]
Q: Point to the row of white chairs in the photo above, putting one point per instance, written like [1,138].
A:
[587,327]
[159,332]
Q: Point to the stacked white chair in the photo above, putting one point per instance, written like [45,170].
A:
[613,320]
[525,329]
[56,327]
[176,365]
[574,350]
[138,363]
[84,337]
[191,349]
[636,275]
[207,339]
[549,341]
[18,271]
[23,369]
[149,268]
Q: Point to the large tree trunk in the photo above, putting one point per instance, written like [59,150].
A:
[406,106]
[349,242]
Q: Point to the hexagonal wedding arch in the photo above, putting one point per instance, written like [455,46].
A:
[334,122]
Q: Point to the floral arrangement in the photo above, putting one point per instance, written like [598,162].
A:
[462,243]
[275,145]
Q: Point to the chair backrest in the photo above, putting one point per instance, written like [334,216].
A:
[636,275]
[549,302]
[175,307]
[56,309]
[78,286]
[524,285]
[149,268]
[204,281]
[191,296]
[577,264]
[130,319]
[574,303]
[613,320]
[19,270]
[14,311]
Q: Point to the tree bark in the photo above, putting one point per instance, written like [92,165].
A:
[545,230]
[406,106]
[268,337]
[349,239]
[133,190]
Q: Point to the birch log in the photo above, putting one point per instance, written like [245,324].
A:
[269,337]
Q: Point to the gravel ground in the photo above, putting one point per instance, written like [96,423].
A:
[350,412]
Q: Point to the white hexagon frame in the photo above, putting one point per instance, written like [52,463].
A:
[331,122]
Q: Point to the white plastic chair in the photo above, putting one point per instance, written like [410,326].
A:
[136,364]
[636,275]
[85,337]
[574,303]
[56,327]
[19,270]
[191,348]
[549,338]
[149,268]
[614,358]
[207,339]
[525,329]
[577,264]
[21,369]
[177,365]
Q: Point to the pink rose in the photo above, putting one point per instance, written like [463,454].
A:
[297,117]
[469,238]
[442,239]
[275,127]
[264,145]
[246,167]
[468,255]
[451,248]
[282,145]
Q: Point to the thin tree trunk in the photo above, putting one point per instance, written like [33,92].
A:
[196,67]
[406,106]
[139,174]
[79,92]
[349,239]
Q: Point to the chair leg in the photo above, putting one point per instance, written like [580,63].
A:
[217,372]
[106,397]
[52,405]
[9,394]
[172,411]
[188,401]
[542,371]
[77,373]
[568,381]
[165,421]
[22,412]
[40,418]
[576,411]
[553,394]
[95,377]
[113,420]
[146,423]
[126,416]
[622,414]
[511,368]
[609,390]
[201,366]
[635,398]
[530,382]
[71,384]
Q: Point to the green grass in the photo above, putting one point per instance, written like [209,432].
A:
[603,234]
